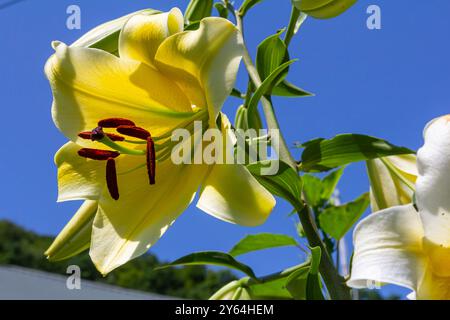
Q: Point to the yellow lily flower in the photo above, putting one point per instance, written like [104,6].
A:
[392,180]
[406,246]
[163,79]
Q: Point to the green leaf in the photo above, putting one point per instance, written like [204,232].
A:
[197,10]
[286,183]
[330,182]
[318,192]
[337,220]
[314,287]
[221,9]
[287,89]
[260,242]
[247,5]
[316,254]
[312,187]
[193,26]
[266,86]
[296,283]
[275,289]
[272,52]
[211,258]
[325,154]
[304,284]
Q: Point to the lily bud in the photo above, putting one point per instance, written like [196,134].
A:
[234,290]
[323,9]
[76,235]
[245,120]
[392,181]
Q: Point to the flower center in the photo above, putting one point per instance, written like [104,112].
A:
[126,128]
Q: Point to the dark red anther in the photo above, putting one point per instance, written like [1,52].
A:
[151,160]
[112,136]
[97,154]
[111,179]
[115,122]
[134,132]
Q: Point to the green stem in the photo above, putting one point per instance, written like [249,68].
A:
[295,14]
[269,113]
[334,282]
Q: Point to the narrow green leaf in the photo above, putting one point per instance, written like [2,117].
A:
[260,242]
[316,254]
[266,86]
[326,154]
[337,220]
[314,287]
[286,183]
[272,52]
[221,9]
[211,258]
[247,5]
[197,10]
[304,284]
[287,89]
[193,26]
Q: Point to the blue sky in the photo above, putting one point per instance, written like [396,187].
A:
[387,83]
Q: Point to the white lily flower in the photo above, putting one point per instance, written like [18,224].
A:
[408,247]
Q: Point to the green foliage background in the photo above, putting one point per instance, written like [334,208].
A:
[25,248]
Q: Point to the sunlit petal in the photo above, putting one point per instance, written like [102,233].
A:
[204,62]
[127,228]
[142,34]
[388,249]
[90,84]
[433,184]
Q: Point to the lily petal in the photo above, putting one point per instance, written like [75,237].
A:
[142,34]
[232,194]
[105,36]
[78,178]
[76,235]
[89,85]
[388,249]
[204,62]
[84,179]
[433,184]
[127,228]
